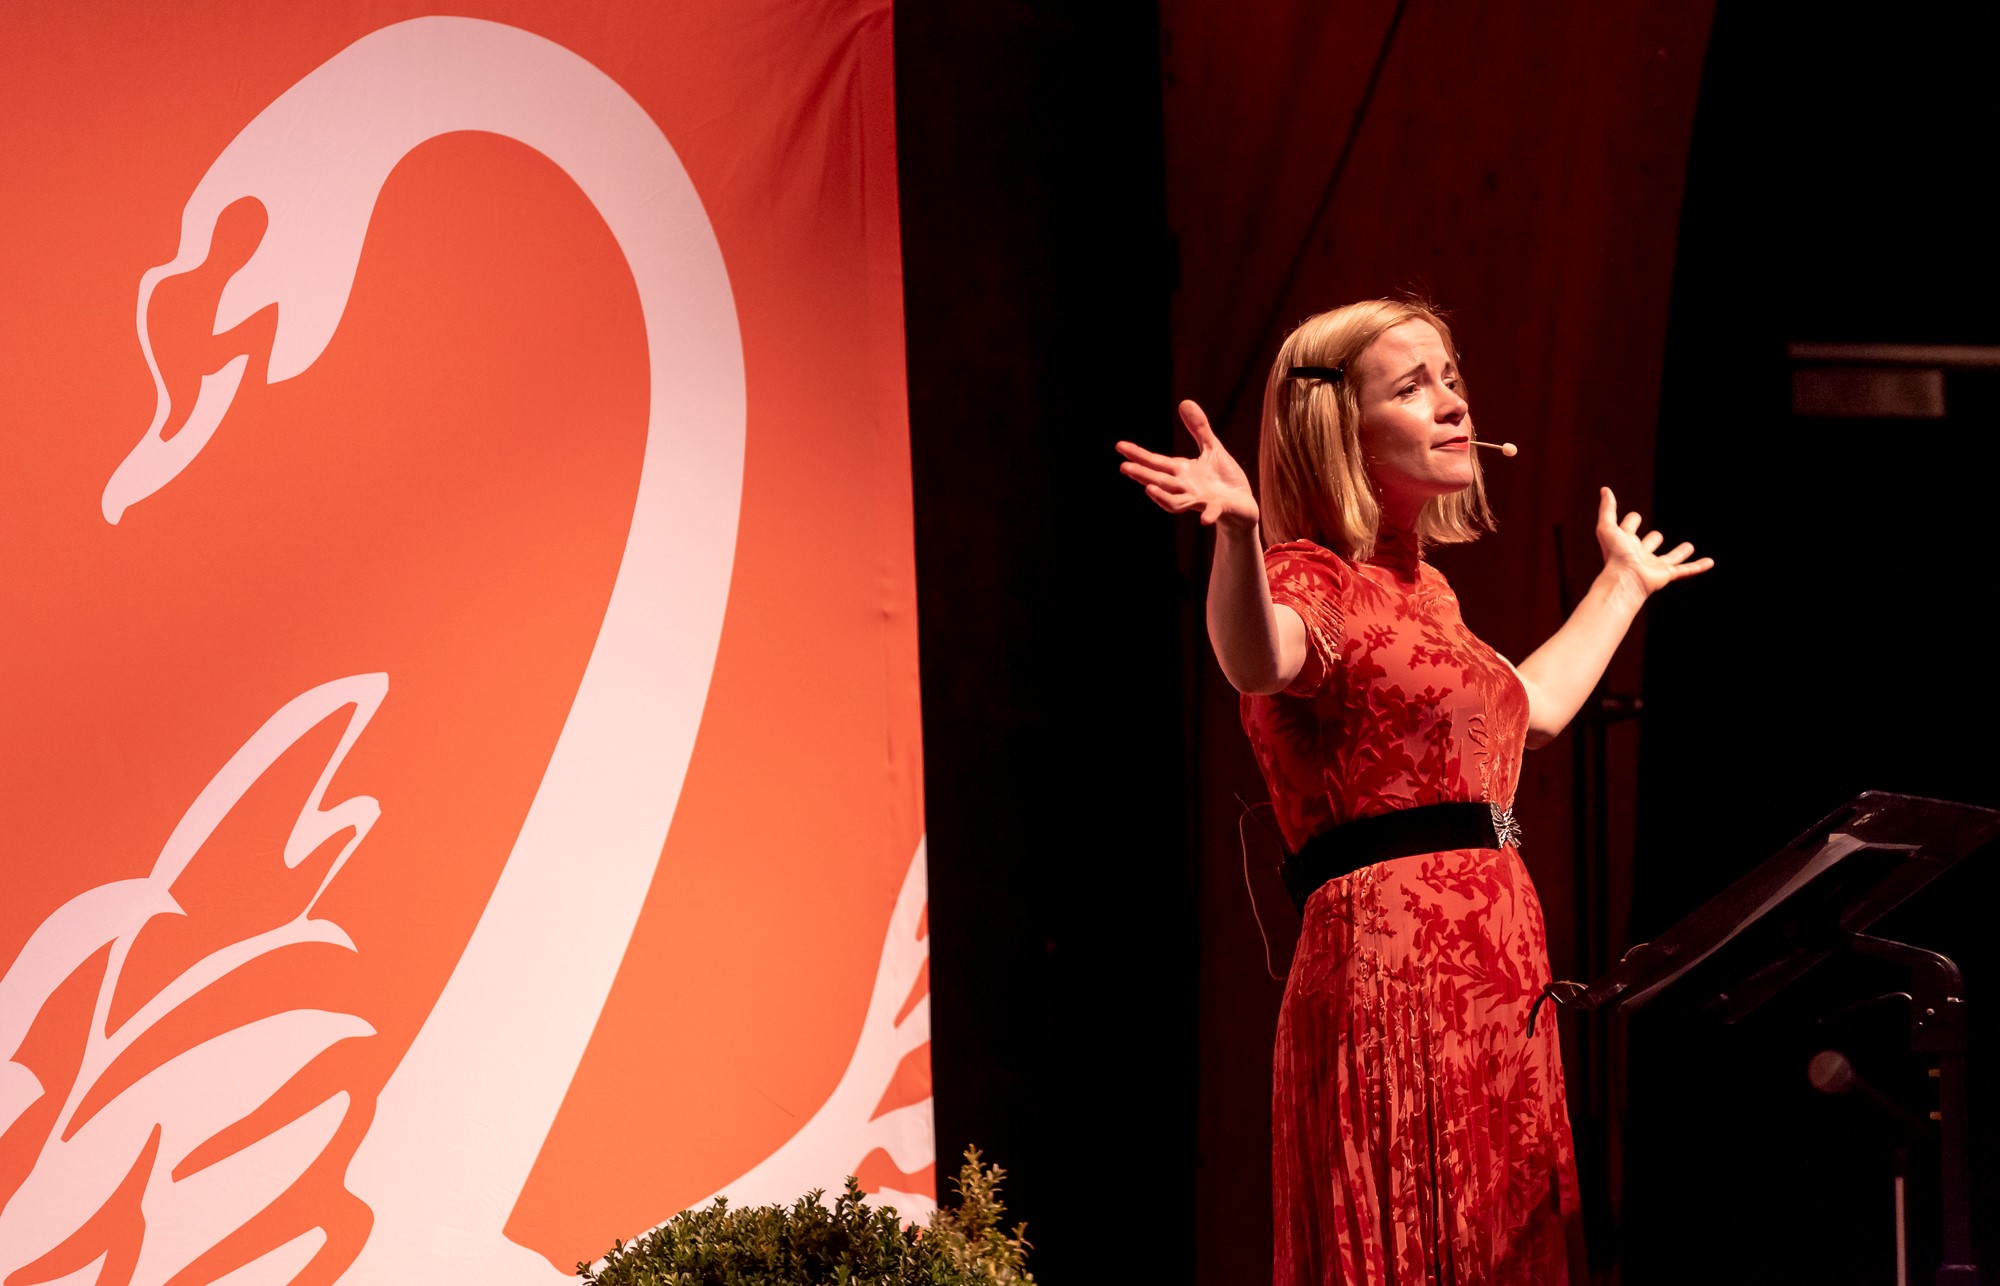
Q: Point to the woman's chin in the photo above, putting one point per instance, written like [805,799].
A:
[1415,492]
[1462,478]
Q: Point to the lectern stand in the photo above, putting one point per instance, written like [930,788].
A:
[1812,899]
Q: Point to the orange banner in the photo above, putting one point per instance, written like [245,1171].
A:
[462,774]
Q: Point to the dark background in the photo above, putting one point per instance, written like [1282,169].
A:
[1062,904]
[1630,210]
[1830,197]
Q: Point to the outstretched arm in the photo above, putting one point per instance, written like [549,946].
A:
[1262,646]
[1561,673]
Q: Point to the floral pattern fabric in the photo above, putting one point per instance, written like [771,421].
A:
[1419,1134]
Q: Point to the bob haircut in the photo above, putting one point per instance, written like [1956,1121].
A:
[1312,480]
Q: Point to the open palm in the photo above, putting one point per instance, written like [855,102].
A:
[1637,556]
[1211,483]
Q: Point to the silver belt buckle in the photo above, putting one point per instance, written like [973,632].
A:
[1505,829]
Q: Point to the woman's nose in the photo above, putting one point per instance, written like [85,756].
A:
[1452,408]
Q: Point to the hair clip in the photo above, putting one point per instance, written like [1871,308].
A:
[1331,374]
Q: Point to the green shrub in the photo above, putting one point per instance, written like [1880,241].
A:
[847,1244]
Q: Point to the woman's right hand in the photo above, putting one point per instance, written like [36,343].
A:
[1211,482]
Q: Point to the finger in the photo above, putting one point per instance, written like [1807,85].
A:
[1695,568]
[1652,541]
[1172,502]
[1209,513]
[1607,508]
[1140,473]
[1197,424]
[1133,451]
[1678,554]
[1631,523]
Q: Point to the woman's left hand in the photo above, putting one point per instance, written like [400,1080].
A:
[1635,558]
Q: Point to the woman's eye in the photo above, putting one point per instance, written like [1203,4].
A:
[1409,389]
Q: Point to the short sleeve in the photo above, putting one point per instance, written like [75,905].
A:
[1309,579]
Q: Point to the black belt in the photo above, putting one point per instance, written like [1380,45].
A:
[1404,832]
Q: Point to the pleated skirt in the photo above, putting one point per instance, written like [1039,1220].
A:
[1420,1135]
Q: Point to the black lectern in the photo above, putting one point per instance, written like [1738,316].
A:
[1813,898]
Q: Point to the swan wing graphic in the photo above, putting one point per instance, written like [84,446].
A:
[158,1168]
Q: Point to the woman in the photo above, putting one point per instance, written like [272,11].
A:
[1419,1133]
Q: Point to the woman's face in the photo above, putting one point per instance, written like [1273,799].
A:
[1416,431]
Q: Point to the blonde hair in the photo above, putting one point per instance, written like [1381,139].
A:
[1312,480]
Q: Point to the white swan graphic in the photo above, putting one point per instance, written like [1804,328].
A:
[449,1149]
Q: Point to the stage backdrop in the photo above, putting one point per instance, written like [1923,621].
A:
[461,792]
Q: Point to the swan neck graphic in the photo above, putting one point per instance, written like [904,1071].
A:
[462,1118]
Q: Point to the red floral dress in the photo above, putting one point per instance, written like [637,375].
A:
[1419,1134]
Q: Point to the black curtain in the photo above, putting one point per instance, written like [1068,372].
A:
[1036,276]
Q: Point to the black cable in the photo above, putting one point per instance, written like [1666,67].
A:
[1251,366]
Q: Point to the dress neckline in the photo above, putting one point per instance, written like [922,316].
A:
[1399,550]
